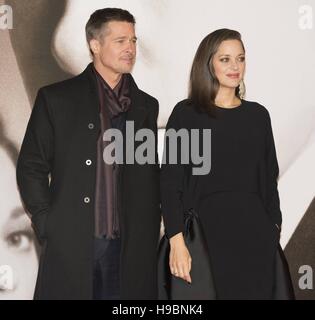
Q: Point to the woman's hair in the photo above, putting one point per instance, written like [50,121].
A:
[203,84]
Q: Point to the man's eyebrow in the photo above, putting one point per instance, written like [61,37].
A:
[125,37]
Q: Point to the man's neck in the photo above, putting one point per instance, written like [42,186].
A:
[111,78]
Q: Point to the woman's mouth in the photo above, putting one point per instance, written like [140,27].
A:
[233,75]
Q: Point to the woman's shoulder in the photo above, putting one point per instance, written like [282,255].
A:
[182,113]
[254,106]
[184,106]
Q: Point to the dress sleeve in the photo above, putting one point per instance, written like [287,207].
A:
[272,174]
[172,180]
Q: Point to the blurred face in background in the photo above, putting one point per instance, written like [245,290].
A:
[17,247]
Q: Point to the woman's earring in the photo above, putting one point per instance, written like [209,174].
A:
[242,89]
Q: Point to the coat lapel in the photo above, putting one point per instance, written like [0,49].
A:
[88,98]
[138,110]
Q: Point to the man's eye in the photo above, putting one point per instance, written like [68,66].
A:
[20,241]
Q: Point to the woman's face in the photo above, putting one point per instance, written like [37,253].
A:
[229,64]
[17,247]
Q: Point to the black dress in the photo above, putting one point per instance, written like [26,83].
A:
[237,202]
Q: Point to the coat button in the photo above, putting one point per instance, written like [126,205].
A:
[86,200]
[88,162]
[91,126]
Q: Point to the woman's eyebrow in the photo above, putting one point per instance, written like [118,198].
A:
[17,213]
[17,220]
[228,55]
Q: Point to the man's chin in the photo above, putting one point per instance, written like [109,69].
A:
[126,70]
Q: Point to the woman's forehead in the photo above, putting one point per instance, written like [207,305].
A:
[230,47]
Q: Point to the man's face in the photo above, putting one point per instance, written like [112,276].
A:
[116,49]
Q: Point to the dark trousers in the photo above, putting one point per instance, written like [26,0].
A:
[106,269]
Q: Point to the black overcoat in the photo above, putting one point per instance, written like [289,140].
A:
[56,175]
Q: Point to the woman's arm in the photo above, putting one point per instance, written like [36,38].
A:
[172,180]
[272,174]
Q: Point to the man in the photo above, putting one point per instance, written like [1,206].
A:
[98,222]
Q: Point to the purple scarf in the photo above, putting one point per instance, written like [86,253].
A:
[114,103]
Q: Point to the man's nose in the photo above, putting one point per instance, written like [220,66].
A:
[131,47]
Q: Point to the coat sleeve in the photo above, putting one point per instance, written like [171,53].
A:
[154,118]
[272,174]
[35,162]
[172,180]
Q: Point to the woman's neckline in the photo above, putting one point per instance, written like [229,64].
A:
[231,108]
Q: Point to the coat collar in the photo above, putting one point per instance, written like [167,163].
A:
[138,109]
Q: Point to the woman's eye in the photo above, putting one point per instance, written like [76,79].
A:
[20,241]
[242,59]
[224,60]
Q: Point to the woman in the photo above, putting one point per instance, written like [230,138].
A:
[18,251]
[237,202]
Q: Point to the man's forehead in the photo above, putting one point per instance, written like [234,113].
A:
[119,27]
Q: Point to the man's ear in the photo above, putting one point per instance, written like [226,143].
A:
[95,46]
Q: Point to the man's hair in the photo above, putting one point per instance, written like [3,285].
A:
[96,25]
